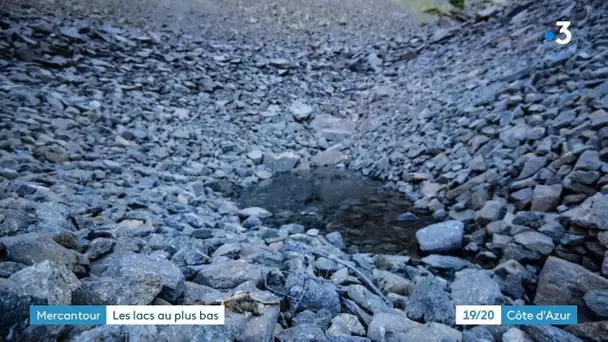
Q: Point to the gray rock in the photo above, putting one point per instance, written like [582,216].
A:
[446,262]
[435,332]
[30,249]
[591,214]
[140,290]
[366,299]
[546,197]
[300,110]
[516,335]
[256,156]
[441,237]
[591,331]
[321,318]
[475,287]
[48,280]
[563,283]
[234,325]
[532,166]
[477,334]
[491,211]
[129,264]
[99,247]
[390,282]
[548,333]
[194,292]
[597,301]
[283,162]
[345,324]
[302,333]
[261,328]
[430,303]
[386,323]
[7,268]
[327,158]
[336,239]
[311,293]
[347,339]
[255,211]
[535,241]
[230,274]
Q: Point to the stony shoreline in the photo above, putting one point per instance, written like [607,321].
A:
[117,142]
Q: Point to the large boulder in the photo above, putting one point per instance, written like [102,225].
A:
[230,274]
[130,264]
[562,282]
[430,303]
[48,280]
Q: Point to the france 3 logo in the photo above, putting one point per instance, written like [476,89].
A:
[564,35]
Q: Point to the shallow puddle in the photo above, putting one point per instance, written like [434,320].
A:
[362,210]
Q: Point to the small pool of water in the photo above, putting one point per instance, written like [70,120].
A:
[362,210]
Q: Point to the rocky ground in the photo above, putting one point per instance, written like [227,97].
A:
[121,138]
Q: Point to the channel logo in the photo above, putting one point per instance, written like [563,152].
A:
[564,35]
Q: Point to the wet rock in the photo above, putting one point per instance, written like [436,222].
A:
[129,264]
[441,237]
[430,303]
[48,280]
[561,282]
[139,290]
[475,287]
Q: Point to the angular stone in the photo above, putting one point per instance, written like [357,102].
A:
[591,214]
[597,301]
[129,264]
[588,161]
[313,294]
[230,274]
[283,162]
[328,157]
[262,327]
[532,166]
[431,332]
[430,303]
[491,211]
[139,290]
[391,282]
[591,331]
[546,197]
[535,241]
[516,335]
[564,283]
[441,237]
[345,324]
[48,280]
[302,333]
[549,333]
[30,249]
[366,299]
[254,211]
[386,323]
[446,262]
[475,287]
[300,110]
